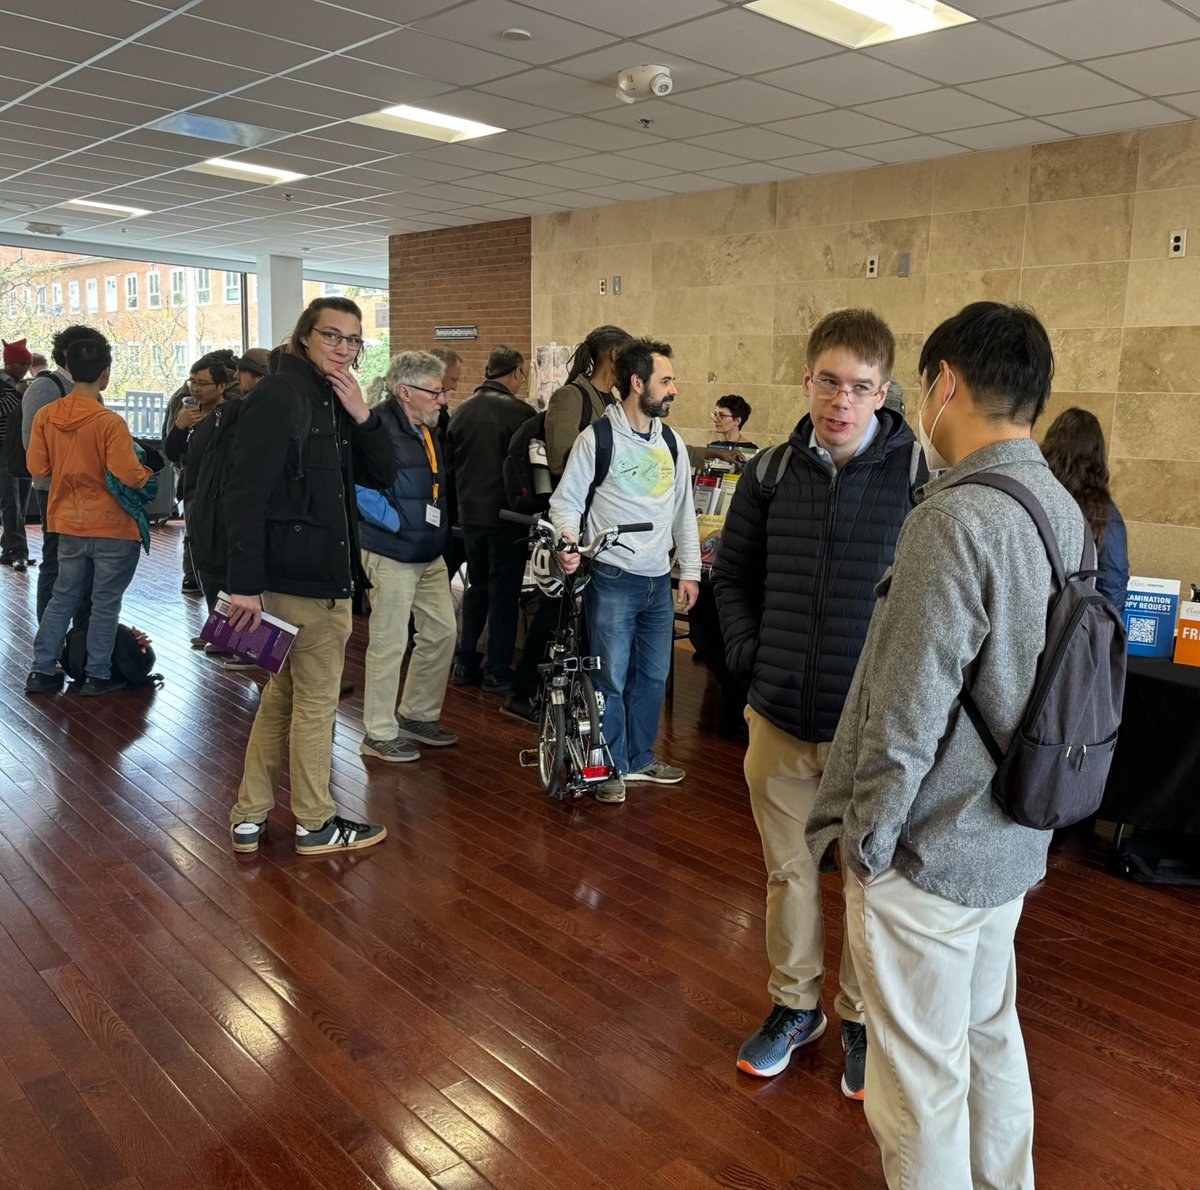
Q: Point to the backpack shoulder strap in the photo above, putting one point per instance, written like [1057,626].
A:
[771,470]
[602,428]
[585,412]
[672,444]
[58,383]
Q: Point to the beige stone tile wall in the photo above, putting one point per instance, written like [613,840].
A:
[1077,229]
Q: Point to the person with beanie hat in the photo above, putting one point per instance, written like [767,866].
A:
[14,488]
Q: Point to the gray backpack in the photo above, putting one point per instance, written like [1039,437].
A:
[1054,771]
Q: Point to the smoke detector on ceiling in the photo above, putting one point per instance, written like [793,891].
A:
[644,82]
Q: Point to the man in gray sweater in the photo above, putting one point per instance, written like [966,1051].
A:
[935,871]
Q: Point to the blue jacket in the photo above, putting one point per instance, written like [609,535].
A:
[394,521]
[1113,560]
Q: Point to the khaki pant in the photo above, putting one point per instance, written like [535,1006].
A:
[783,774]
[947,1092]
[398,589]
[296,713]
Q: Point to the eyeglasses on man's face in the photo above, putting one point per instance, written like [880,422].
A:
[194,382]
[332,338]
[433,392]
[828,386]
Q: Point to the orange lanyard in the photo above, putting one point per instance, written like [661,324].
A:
[429,451]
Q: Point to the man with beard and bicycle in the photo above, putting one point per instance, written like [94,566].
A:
[629,467]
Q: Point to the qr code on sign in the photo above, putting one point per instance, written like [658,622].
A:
[1142,630]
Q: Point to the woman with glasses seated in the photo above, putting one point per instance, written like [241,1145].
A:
[728,417]
[301,445]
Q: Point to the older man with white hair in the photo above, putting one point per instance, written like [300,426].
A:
[403,537]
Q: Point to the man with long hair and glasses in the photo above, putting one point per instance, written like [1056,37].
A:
[293,552]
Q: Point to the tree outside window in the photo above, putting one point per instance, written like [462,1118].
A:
[131,291]
[203,287]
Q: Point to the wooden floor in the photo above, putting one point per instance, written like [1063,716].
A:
[508,992]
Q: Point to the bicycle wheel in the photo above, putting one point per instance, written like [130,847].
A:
[551,745]
[587,712]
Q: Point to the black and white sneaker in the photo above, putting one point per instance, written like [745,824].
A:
[339,834]
[394,751]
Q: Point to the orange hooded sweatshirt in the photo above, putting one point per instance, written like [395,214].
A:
[75,441]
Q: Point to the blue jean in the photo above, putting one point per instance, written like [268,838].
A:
[631,623]
[103,567]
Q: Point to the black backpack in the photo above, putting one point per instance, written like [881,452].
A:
[14,442]
[130,660]
[603,430]
[1054,771]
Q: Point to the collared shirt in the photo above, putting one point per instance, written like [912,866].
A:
[868,438]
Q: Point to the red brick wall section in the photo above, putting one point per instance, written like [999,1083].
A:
[477,275]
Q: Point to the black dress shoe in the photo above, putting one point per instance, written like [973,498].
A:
[496,684]
[461,675]
[517,706]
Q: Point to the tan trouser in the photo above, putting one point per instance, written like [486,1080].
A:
[947,1091]
[398,589]
[783,774]
[296,713]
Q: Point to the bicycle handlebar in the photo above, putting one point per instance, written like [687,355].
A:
[519,517]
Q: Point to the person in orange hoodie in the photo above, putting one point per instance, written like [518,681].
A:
[77,442]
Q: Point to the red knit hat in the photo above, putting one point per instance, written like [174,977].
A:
[16,355]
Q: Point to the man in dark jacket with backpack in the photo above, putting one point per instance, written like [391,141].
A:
[14,475]
[934,870]
[809,533]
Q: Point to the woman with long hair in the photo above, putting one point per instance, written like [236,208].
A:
[1075,451]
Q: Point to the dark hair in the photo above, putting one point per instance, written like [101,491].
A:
[739,407]
[1074,450]
[585,357]
[307,322]
[501,360]
[87,357]
[1004,355]
[861,332]
[447,355]
[636,358]
[221,366]
[69,335]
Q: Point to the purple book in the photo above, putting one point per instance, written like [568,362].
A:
[267,645]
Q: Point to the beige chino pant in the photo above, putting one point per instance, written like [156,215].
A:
[398,589]
[783,775]
[296,713]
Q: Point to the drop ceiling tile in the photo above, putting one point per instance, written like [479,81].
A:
[549,88]
[119,111]
[749,102]
[139,61]
[847,78]
[528,145]
[563,199]
[689,183]
[750,173]
[435,58]
[621,169]
[756,144]
[936,111]
[11,89]
[114,18]
[378,84]
[317,152]
[1003,136]
[964,54]
[477,160]
[399,11]
[524,206]
[1059,89]
[839,129]
[306,21]
[480,23]
[742,41]
[1142,113]
[261,115]
[626,18]
[1162,71]
[492,109]
[456,196]
[831,162]
[111,83]
[382,142]
[594,135]
[31,68]
[677,155]
[1089,28]
[1189,103]
[289,92]
[479,214]
[73,123]
[215,44]
[602,66]
[628,192]
[392,173]
[559,176]
[501,184]
[991,8]
[913,148]
[65,44]
[666,119]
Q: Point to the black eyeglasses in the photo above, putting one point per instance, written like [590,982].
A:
[433,392]
[334,338]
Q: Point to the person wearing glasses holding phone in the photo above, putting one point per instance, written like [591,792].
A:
[811,529]
[300,446]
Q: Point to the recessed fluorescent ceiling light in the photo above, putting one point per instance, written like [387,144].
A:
[859,23]
[103,208]
[228,132]
[417,121]
[226,167]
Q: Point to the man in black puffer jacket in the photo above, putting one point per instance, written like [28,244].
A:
[811,530]
[293,552]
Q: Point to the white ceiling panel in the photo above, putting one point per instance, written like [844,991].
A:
[501,185]
[438,59]
[525,206]
[839,129]
[833,161]
[687,184]
[303,21]
[756,144]
[1004,136]
[380,85]
[1088,28]
[480,23]
[112,18]
[742,41]
[936,111]
[666,119]
[627,191]
[396,172]
[493,109]
[749,101]
[1163,71]
[528,146]
[593,135]
[261,115]
[67,45]
[964,54]
[1059,89]
[561,176]
[1189,103]
[1142,113]
[912,148]
[140,61]
[549,88]
[680,156]
[92,80]
[287,91]
[119,111]
[847,78]
[31,68]
[476,160]
[214,44]
[626,18]
[751,172]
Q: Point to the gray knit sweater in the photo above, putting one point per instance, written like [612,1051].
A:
[908,779]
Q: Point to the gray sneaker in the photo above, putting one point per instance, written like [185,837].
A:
[339,834]
[245,836]
[395,751]
[423,732]
[659,772]
[612,791]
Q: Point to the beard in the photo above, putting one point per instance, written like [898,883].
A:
[654,408]
[430,419]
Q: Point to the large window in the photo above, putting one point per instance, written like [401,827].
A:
[41,299]
[110,295]
[233,287]
[177,293]
[73,296]
[131,291]
[56,298]
[180,357]
[203,287]
[153,292]
[93,301]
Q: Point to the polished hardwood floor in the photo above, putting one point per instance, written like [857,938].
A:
[509,992]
